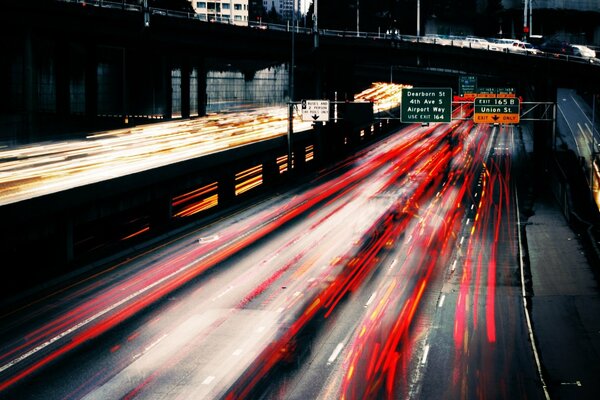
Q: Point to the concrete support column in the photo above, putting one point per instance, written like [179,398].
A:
[226,189]
[28,88]
[270,172]
[299,151]
[63,103]
[185,89]
[161,212]
[201,89]
[168,92]
[69,254]
[91,82]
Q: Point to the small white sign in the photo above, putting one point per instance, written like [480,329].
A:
[315,110]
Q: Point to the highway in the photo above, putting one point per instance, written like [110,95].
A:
[575,120]
[393,274]
[43,168]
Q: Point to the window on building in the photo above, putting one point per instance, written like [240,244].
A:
[237,7]
[201,4]
[226,6]
[237,17]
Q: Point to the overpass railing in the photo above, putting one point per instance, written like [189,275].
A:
[440,40]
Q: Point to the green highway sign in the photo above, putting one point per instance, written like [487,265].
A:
[486,92]
[425,105]
[506,92]
[467,84]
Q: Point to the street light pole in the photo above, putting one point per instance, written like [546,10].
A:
[418,17]
[316,24]
[530,18]
[525,18]
[290,130]
[357,18]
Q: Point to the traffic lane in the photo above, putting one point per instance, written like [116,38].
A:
[34,170]
[574,124]
[223,289]
[376,363]
[320,370]
[584,115]
[353,274]
[186,265]
[479,343]
[380,336]
[317,381]
[96,333]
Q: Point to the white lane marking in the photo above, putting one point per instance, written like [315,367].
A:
[208,380]
[208,239]
[441,303]
[94,317]
[223,293]
[335,353]
[237,352]
[472,206]
[393,263]
[576,383]
[425,354]
[468,221]
[585,134]
[453,268]
[462,239]
[371,299]
[151,345]
[571,129]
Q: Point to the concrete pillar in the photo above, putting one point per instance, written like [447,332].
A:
[271,176]
[226,189]
[62,56]
[91,82]
[185,89]
[69,254]
[28,88]
[161,212]
[201,89]
[168,91]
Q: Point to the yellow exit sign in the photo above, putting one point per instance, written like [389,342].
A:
[496,110]
[496,118]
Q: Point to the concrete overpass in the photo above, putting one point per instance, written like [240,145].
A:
[73,67]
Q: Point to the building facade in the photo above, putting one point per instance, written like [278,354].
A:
[285,8]
[223,11]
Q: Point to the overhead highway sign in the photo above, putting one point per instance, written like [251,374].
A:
[496,110]
[315,110]
[425,105]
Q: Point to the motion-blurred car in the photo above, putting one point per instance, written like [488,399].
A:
[583,51]
[479,43]
[525,47]
[557,47]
